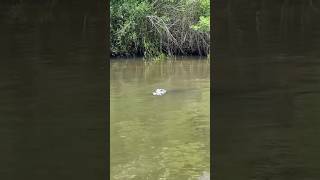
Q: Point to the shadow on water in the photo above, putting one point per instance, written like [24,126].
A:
[267,90]
[52,90]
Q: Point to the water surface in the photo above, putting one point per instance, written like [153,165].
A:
[159,137]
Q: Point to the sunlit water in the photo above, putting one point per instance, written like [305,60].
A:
[160,137]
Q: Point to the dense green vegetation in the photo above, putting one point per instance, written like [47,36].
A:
[153,28]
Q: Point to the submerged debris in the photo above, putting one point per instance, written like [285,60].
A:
[159,92]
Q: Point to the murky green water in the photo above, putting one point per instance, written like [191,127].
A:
[160,137]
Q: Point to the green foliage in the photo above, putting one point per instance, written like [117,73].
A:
[203,24]
[205,7]
[125,25]
[150,28]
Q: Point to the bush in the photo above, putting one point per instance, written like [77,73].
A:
[150,28]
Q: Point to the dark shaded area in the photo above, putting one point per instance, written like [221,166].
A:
[267,27]
[53,90]
[266,82]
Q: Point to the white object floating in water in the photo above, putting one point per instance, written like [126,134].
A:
[159,92]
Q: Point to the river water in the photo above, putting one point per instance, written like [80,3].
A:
[159,137]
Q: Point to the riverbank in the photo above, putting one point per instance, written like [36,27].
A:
[159,28]
[165,59]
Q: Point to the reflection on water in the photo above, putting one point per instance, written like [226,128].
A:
[159,137]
